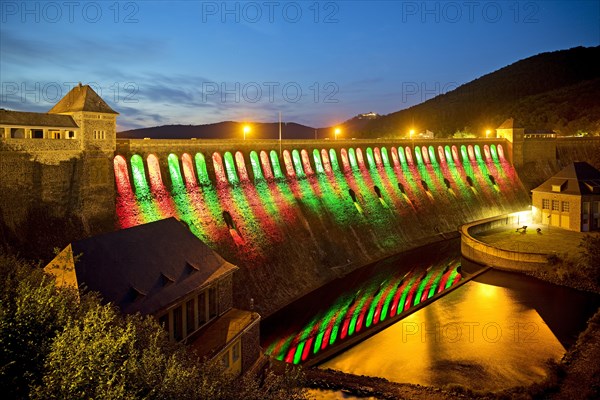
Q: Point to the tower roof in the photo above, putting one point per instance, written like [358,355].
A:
[510,124]
[578,178]
[82,98]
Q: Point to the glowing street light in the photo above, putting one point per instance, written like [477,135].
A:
[336,132]
[487,133]
[411,133]
[246,131]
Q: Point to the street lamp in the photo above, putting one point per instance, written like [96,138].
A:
[487,133]
[336,132]
[246,131]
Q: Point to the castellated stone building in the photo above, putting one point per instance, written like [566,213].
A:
[55,168]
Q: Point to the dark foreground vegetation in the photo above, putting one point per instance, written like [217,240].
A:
[56,344]
[579,271]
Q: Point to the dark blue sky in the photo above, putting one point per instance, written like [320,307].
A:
[319,63]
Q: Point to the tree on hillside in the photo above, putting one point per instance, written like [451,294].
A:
[30,316]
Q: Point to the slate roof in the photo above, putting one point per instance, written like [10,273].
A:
[148,267]
[82,98]
[22,118]
[578,178]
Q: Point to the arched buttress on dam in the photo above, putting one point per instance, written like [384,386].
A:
[294,219]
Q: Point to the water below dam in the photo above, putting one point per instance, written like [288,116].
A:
[494,332]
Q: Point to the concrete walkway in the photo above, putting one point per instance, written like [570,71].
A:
[550,239]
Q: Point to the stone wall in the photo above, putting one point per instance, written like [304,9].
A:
[90,122]
[225,293]
[543,158]
[487,255]
[251,344]
[52,193]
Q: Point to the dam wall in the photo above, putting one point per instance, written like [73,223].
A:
[293,214]
[297,214]
[544,157]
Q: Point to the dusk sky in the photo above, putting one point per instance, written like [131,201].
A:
[319,63]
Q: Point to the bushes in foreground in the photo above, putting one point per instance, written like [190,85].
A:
[57,344]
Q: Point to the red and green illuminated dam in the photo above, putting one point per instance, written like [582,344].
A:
[295,215]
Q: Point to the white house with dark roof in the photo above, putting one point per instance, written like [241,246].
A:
[162,269]
[570,199]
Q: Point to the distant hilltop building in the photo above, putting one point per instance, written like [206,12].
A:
[424,135]
[81,116]
[369,115]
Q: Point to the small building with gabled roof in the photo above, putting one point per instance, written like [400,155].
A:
[162,269]
[81,115]
[570,199]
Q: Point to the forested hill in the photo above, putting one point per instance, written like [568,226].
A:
[557,90]
[223,130]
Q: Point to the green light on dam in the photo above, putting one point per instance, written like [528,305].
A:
[372,205]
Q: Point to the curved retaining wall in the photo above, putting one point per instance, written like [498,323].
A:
[489,255]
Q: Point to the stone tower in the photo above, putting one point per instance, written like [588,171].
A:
[97,123]
[515,135]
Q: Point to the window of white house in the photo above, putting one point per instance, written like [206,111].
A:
[177,324]
[555,205]
[546,204]
[225,359]
[212,302]
[99,134]
[585,209]
[202,314]
[565,206]
[236,351]
[190,316]
[197,310]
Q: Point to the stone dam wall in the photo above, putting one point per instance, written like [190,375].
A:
[296,217]
[289,234]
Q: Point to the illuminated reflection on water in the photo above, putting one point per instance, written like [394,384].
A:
[482,336]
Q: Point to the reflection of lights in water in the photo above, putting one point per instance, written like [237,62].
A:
[487,290]
[480,336]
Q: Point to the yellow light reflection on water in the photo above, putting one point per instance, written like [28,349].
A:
[479,336]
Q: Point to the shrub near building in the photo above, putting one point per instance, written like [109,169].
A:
[55,346]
